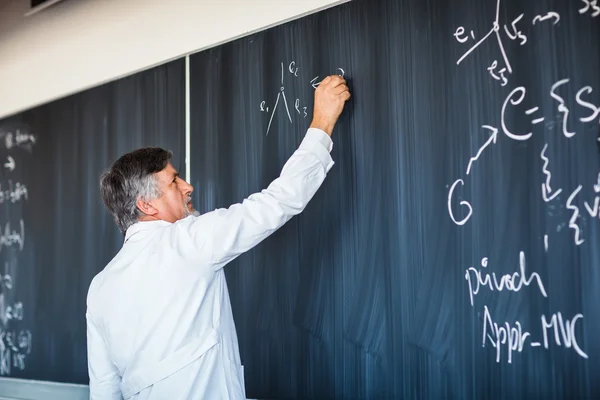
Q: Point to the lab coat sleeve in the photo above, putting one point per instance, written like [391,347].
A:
[104,377]
[227,233]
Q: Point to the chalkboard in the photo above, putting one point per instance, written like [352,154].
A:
[453,250]
[55,232]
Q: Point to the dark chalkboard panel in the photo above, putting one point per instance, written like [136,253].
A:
[68,236]
[438,187]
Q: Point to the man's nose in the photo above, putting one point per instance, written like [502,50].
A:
[186,187]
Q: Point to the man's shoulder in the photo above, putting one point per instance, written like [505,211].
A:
[95,286]
[101,279]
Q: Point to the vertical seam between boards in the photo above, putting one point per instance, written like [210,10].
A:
[187,119]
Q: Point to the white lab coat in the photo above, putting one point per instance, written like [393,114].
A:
[159,320]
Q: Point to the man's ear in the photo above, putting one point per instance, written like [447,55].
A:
[146,207]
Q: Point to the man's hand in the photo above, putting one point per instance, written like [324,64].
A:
[330,97]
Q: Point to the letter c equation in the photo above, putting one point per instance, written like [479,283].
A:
[462,203]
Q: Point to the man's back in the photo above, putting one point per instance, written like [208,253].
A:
[164,312]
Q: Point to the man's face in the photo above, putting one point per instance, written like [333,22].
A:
[175,203]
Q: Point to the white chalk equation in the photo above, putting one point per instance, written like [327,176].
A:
[527,119]
[548,192]
[10,237]
[16,138]
[511,336]
[13,193]
[480,279]
[590,7]
[15,339]
[14,349]
[512,30]
[15,345]
[298,106]
[10,164]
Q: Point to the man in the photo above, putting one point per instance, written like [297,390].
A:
[159,320]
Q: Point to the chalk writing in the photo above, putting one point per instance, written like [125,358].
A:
[478,279]
[575,215]
[315,84]
[9,312]
[13,193]
[12,237]
[460,31]
[280,94]
[5,281]
[517,97]
[593,210]
[516,33]
[500,76]
[462,203]
[293,69]
[549,15]
[10,164]
[514,338]
[561,106]
[546,189]
[595,110]
[591,6]
[494,30]
[513,31]
[14,346]
[18,138]
[514,102]
[562,328]
[555,330]
[491,140]
[299,106]
[15,339]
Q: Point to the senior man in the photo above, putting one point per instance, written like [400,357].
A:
[159,320]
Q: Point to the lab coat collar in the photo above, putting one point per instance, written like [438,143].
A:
[142,226]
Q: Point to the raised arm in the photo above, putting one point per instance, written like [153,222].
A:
[226,233]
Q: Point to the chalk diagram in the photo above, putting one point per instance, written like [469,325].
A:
[299,106]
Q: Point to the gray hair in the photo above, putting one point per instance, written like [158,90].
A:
[130,178]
